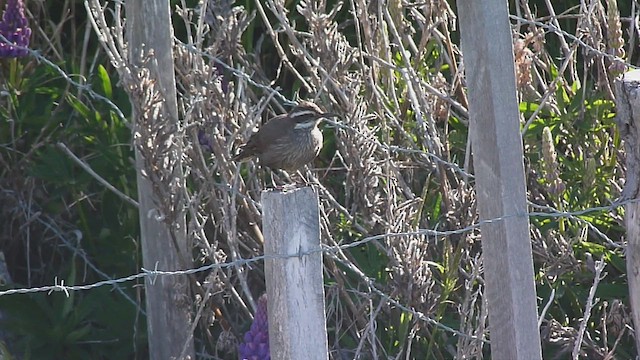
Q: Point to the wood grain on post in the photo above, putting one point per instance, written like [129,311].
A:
[295,291]
[168,303]
[501,190]
[628,120]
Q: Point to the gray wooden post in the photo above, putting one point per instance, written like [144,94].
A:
[499,169]
[628,119]
[295,291]
[167,297]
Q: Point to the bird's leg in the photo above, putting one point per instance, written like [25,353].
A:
[273,179]
[273,176]
[294,178]
[288,177]
[297,178]
[267,178]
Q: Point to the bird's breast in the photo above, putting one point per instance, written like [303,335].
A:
[316,139]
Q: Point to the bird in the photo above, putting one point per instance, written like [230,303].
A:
[287,141]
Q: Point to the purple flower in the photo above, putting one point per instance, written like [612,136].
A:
[256,340]
[15,28]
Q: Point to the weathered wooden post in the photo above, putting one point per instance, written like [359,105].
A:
[628,119]
[293,272]
[498,161]
[167,297]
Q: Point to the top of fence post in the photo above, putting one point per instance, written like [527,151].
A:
[293,272]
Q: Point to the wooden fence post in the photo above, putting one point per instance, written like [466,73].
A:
[501,190]
[295,291]
[628,119]
[168,299]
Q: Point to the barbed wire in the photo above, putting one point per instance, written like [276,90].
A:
[152,274]
[371,284]
[324,249]
[556,30]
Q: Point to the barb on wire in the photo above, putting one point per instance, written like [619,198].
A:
[48,223]
[59,287]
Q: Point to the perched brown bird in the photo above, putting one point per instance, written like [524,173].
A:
[287,141]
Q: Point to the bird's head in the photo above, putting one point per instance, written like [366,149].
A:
[307,115]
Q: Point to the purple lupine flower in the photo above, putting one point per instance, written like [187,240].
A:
[256,340]
[15,28]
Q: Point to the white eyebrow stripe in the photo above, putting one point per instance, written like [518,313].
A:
[305,125]
[302,113]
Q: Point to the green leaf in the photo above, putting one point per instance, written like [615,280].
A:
[528,107]
[403,328]
[106,81]
[576,86]
[78,106]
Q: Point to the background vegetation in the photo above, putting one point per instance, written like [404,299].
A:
[399,162]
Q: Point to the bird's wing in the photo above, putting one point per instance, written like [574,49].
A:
[255,142]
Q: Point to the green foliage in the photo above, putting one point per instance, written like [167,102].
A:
[94,325]
[77,215]
[586,143]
